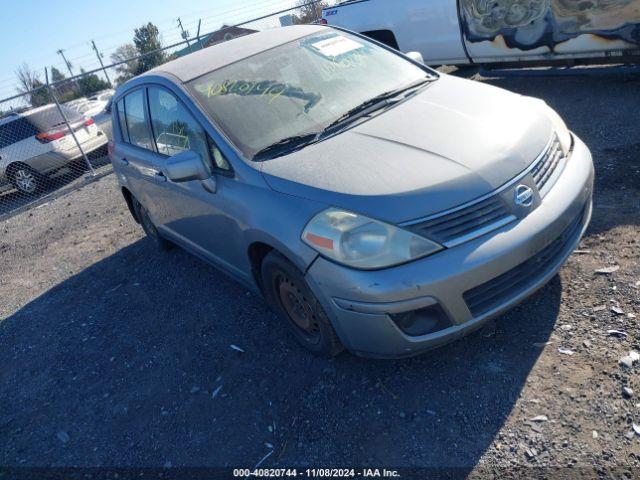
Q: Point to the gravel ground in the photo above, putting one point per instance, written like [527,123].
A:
[113,354]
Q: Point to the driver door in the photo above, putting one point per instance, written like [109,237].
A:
[188,213]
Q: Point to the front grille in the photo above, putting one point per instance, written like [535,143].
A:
[470,221]
[495,292]
[547,165]
[461,225]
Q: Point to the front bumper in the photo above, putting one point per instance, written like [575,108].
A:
[359,303]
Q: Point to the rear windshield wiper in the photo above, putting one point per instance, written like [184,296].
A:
[368,106]
[286,145]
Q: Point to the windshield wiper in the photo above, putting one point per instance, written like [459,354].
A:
[373,104]
[297,142]
[286,145]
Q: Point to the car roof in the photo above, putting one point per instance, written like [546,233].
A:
[217,56]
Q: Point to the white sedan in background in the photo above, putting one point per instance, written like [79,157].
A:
[97,107]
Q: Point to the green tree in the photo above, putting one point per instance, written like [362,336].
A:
[65,91]
[90,84]
[40,95]
[147,42]
[57,75]
[126,70]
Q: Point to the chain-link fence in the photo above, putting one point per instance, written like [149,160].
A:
[50,148]
[54,138]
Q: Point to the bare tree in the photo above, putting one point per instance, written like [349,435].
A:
[29,82]
[310,12]
[27,78]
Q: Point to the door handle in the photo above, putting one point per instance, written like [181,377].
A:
[161,177]
[123,161]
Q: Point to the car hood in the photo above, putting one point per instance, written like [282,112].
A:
[453,142]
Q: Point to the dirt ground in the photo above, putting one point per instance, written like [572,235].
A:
[115,355]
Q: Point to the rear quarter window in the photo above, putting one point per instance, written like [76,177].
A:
[49,118]
[16,131]
[122,121]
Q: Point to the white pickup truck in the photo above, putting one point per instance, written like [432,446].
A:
[519,32]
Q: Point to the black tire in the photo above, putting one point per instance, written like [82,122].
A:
[288,294]
[149,228]
[25,179]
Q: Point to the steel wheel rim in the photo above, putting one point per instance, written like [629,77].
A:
[297,307]
[25,180]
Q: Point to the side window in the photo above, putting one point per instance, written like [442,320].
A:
[218,159]
[16,131]
[5,135]
[122,121]
[174,129]
[136,119]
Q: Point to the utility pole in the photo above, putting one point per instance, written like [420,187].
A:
[198,33]
[99,55]
[185,34]
[67,63]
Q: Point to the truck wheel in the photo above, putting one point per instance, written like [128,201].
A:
[291,299]
[25,179]
[149,228]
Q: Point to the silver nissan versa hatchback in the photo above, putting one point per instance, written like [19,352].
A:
[377,205]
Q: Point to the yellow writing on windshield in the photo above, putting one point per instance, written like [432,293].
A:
[266,88]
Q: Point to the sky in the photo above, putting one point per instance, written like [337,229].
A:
[36,29]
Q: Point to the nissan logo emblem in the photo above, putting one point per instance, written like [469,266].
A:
[523,195]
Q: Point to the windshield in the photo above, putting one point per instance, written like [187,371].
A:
[48,117]
[299,88]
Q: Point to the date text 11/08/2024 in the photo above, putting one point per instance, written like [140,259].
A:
[316,473]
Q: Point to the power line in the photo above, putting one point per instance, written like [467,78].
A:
[103,68]
[213,22]
[222,16]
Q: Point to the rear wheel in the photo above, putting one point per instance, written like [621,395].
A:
[291,298]
[149,228]
[25,179]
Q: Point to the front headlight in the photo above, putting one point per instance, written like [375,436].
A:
[360,242]
[564,135]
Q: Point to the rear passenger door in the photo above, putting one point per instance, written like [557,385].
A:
[135,155]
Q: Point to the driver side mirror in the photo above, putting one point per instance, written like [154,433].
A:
[416,57]
[186,166]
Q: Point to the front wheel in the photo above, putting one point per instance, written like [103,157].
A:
[149,228]
[291,298]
